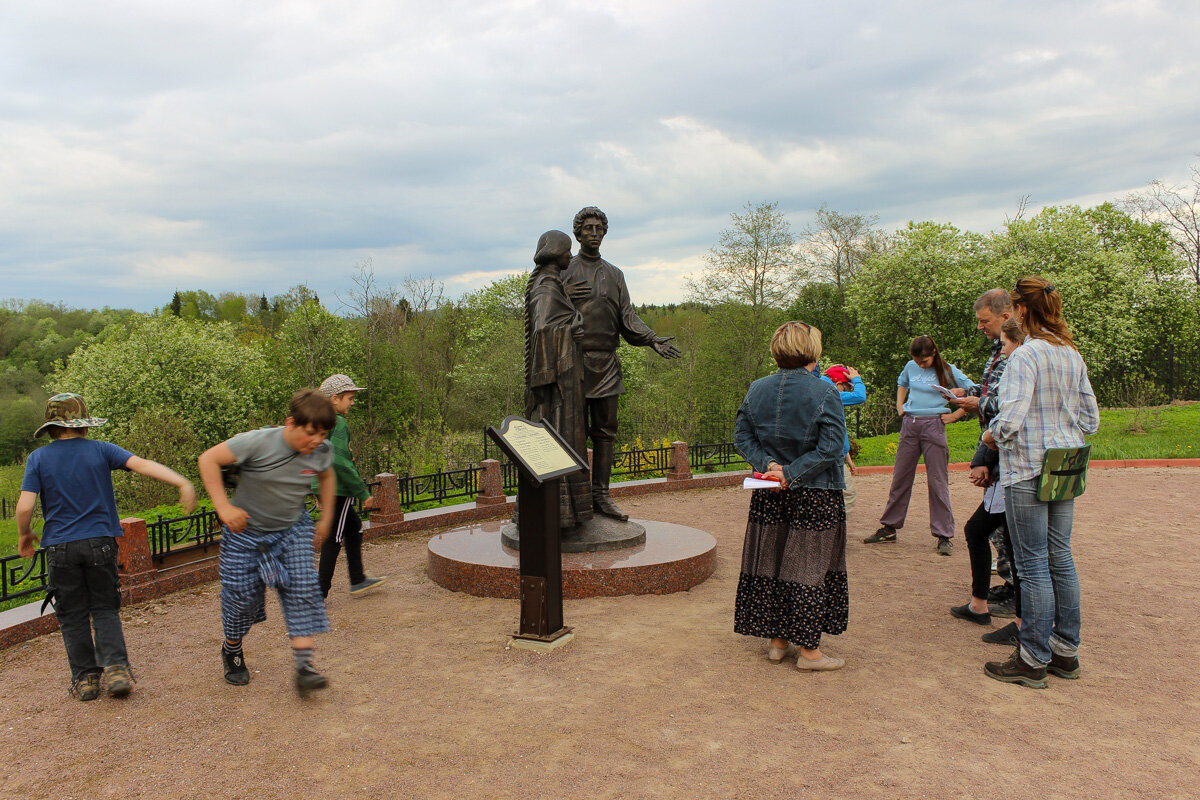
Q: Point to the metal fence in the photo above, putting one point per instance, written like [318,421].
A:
[175,535]
[438,487]
[22,577]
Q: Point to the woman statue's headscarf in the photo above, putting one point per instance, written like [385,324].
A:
[551,247]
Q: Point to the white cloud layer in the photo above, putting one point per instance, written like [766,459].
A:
[225,146]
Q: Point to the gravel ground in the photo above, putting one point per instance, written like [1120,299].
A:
[656,697]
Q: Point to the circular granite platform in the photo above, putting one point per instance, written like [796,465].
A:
[673,558]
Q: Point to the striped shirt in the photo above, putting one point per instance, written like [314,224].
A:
[1046,400]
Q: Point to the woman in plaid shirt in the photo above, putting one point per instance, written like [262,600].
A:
[1046,400]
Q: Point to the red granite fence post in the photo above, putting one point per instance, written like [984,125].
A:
[491,484]
[387,496]
[681,468]
[134,563]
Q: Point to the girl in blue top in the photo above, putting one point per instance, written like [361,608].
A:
[924,414]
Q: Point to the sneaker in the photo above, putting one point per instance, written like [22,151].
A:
[1016,671]
[1010,635]
[965,612]
[884,534]
[1005,609]
[309,680]
[119,680]
[1000,592]
[945,547]
[1063,666]
[366,585]
[86,688]
[236,671]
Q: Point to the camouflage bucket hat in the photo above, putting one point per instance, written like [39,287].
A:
[67,410]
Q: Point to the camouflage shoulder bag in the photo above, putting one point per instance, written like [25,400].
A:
[1064,473]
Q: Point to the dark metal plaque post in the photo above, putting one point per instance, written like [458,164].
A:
[542,458]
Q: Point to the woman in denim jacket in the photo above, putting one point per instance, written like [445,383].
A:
[793,580]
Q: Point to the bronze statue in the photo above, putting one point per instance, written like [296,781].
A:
[598,290]
[554,366]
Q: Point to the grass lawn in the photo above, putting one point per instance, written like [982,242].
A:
[1160,432]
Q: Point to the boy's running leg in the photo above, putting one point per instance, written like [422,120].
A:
[303,608]
[67,581]
[328,563]
[104,598]
[349,525]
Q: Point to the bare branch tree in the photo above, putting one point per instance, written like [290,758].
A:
[836,245]
[755,262]
[1176,207]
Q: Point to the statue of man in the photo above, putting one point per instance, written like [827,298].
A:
[598,290]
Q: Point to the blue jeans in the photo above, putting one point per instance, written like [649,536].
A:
[1041,540]
[87,596]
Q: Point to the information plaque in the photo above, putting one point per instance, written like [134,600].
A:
[537,447]
[542,458]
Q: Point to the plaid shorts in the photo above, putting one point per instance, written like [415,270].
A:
[243,590]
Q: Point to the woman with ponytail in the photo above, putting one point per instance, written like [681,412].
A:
[1046,401]
[924,414]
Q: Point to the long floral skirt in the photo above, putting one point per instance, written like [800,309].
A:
[793,581]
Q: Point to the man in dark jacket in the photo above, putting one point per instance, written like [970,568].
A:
[598,290]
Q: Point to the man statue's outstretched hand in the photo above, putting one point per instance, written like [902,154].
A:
[665,349]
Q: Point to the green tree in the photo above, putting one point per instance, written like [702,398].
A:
[752,275]
[925,283]
[199,371]
[489,377]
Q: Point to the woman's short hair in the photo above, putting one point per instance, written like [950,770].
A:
[796,344]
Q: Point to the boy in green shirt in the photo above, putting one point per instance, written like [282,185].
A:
[347,527]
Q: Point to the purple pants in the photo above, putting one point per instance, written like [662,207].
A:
[921,436]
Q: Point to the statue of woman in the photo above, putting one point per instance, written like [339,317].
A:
[554,367]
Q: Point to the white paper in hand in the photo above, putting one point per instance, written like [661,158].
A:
[759,483]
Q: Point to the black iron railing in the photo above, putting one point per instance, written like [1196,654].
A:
[642,462]
[439,486]
[713,456]
[175,535]
[22,577]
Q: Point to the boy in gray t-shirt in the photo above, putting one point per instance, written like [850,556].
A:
[268,537]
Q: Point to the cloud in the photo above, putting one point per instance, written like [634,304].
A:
[251,148]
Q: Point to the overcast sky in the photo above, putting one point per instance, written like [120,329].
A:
[149,146]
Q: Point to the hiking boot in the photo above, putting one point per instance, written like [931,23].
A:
[119,680]
[1005,609]
[366,585]
[309,680]
[965,612]
[1010,635]
[1016,671]
[1063,666]
[86,688]
[236,671]
[885,534]
[945,547]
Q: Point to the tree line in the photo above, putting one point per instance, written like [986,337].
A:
[204,367]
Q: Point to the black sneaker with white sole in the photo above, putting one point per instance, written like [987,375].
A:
[236,671]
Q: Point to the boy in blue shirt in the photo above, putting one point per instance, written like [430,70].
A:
[73,475]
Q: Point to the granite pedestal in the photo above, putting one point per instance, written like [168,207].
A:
[673,558]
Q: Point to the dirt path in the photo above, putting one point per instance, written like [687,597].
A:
[657,697]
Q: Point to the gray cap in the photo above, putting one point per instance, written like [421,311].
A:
[336,384]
